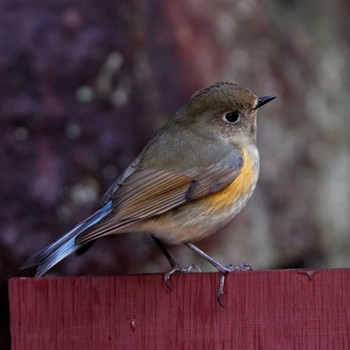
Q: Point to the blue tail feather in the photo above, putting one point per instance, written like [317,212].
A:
[64,246]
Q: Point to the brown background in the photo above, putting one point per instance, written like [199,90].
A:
[85,84]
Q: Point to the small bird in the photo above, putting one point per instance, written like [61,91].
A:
[192,177]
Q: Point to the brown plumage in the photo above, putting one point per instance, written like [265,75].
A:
[191,178]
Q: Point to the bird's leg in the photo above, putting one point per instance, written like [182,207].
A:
[169,257]
[175,266]
[224,270]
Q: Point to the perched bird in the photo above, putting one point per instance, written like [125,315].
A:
[192,177]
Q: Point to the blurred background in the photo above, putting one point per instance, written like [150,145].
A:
[85,84]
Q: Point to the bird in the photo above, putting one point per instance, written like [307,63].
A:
[192,178]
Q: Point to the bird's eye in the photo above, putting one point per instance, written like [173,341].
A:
[231,117]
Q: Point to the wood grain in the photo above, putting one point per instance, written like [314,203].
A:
[282,309]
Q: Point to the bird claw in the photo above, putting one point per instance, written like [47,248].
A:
[220,291]
[223,270]
[179,269]
[242,267]
[227,269]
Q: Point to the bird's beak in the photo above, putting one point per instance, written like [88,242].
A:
[263,100]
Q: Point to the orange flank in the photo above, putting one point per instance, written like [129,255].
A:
[239,187]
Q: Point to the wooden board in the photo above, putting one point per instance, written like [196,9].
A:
[282,309]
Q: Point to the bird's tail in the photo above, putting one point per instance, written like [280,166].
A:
[64,246]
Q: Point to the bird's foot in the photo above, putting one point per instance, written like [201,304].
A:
[224,270]
[179,269]
[231,268]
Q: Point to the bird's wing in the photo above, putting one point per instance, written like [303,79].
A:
[127,172]
[145,193]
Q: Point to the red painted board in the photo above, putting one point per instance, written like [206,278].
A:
[282,309]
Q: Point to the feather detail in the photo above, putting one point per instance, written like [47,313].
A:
[148,193]
[66,245]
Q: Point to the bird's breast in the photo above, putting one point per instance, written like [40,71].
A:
[238,192]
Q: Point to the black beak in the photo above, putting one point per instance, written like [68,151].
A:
[263,100]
